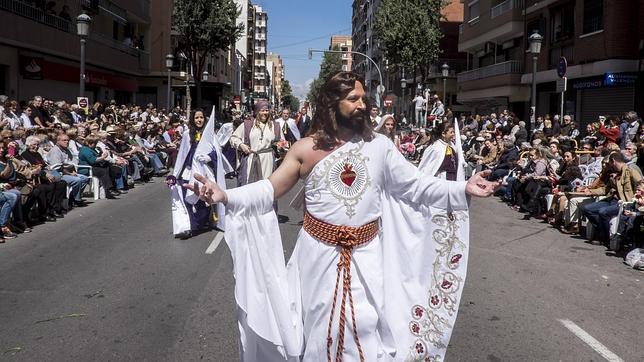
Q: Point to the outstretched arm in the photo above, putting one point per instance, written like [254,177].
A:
[282,180]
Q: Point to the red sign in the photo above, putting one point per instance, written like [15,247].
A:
[67,73]
[237,100]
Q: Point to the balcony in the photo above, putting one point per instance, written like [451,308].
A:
[496,24]
[36,14]
[504,7]
[105,51]
[509,67]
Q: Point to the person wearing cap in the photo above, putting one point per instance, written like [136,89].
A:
[254,140]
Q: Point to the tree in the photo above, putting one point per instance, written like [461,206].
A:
[409,32]
[205,27]
[331,64]
[288,99]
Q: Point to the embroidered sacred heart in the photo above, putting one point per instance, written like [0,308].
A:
[348,176]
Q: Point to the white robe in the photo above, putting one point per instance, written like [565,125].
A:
[180,218]
[406,282]
[208,146]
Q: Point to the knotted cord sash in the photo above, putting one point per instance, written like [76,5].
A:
[347,238]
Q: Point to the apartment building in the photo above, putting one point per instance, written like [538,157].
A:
[365,40]
[259,72]
[601,41]
[40,51]
[275,68]
[345,44]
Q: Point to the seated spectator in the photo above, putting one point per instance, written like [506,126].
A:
[13,189]
[49,190]
[60,159]
[610,132]
[630,153]
[114,160]
[586,153]
[621,188]
[630,227]
[536,167]
[488,155]
[507,161]
[564,176]
[90,156]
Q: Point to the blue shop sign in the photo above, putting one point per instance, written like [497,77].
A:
[607,80]
[615,79]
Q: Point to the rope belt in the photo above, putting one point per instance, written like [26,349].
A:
[347,238]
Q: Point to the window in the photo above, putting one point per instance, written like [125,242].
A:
[562,23]
[593,15]
[473,10]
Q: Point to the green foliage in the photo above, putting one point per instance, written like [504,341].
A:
[331,64]
[288,99]
[409,32]
[205,27]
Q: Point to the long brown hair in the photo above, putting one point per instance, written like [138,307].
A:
[324,126]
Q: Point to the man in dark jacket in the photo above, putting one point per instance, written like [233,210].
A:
[507,160]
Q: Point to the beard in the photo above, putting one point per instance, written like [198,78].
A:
[355,121]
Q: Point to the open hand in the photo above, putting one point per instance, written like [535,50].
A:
[479,186]
[208,191]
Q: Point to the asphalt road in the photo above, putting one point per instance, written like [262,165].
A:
[108,282]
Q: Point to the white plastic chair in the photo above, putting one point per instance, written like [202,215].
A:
[95,184]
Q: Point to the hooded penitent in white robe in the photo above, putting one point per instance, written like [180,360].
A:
[406,282]
[180,217]
[214,168]
[433,157]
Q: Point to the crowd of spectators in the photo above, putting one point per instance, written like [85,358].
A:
[581,181]
[53,153]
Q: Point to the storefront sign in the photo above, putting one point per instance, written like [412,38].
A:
[615,79]
[606,80]
[31,67]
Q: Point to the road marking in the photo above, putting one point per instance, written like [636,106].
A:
[215,243]
[590,341]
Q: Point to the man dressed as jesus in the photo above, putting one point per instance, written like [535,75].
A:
[380,263]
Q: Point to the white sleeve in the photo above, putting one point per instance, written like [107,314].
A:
[261,283]
[406,182]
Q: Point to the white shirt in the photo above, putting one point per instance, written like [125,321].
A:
[419,101]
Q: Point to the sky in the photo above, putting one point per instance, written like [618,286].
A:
[294,26]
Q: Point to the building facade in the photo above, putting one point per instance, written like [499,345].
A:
[40,51]
[345,44]
[260,72]
[275,67]
[365,40]
[601,41]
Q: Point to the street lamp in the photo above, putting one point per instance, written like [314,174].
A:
[445,69]
[204,76]
[169,63]
[403,85]
[535,48]
[82,29]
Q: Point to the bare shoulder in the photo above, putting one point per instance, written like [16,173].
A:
[307,154]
